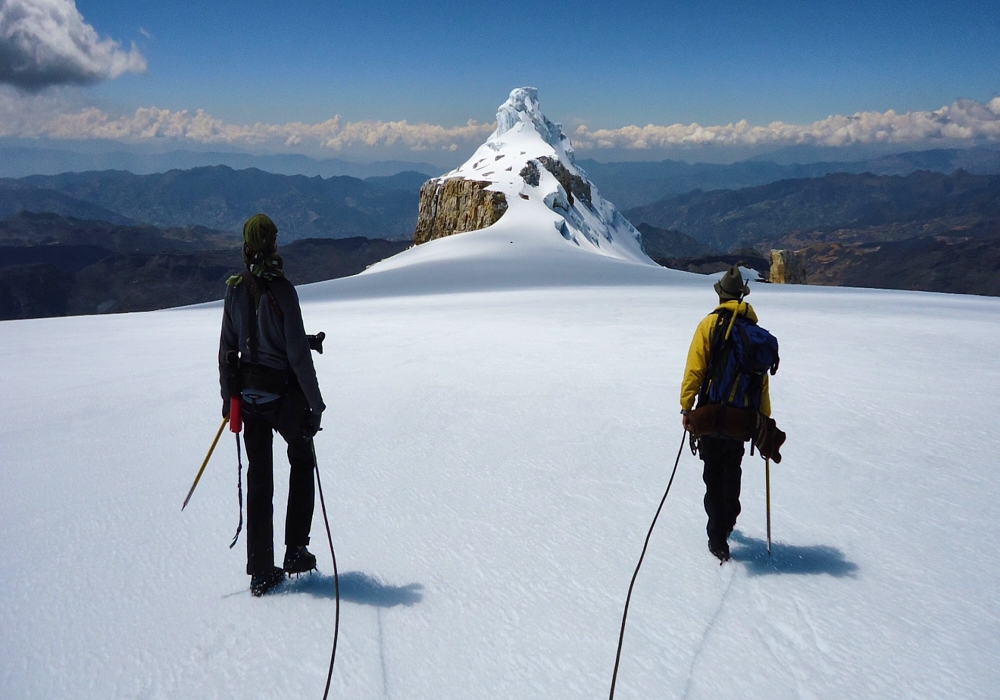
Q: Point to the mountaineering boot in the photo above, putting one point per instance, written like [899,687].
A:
[299,560]
[260,584]
[720,550]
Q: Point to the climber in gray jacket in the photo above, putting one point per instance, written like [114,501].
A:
[264,355]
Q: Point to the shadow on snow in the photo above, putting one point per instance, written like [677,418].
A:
[357,587]
[789,559]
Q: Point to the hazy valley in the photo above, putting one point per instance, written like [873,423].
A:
[111,241]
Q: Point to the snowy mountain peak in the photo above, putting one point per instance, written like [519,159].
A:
[521,111]
[525,176]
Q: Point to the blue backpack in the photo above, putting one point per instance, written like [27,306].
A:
[737,364]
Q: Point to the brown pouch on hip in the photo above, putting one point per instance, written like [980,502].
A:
[716,420]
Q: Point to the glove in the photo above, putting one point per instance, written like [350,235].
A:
[225,409]
[312,424]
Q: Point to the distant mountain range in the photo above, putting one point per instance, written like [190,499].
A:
[957,265]
[219,197]
[870,207]
[626,184]
[115,241]
[630,185]
[52,265]
[925,231]
[17,196]
[661,243]
[21,161]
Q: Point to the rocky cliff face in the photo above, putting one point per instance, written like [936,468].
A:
[526,165]
[456,205]
[788,267]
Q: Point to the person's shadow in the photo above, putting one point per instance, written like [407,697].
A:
[358,587]
[789,559]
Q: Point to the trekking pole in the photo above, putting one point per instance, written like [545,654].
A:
[336,576]
[767,488]
[628,598]
[205,463]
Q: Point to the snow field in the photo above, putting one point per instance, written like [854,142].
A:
[491,461]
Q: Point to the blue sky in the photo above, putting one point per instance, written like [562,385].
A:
[603,65]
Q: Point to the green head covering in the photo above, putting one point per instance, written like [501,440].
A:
[260,240]
[732,285]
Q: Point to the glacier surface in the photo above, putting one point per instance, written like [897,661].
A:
[503,419]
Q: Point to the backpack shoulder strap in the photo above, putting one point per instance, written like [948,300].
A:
[273,301]
[256,288]
[253,298]
[723,317]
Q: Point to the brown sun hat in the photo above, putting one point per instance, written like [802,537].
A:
[732,285]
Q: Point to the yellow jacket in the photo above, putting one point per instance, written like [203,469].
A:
[697,360]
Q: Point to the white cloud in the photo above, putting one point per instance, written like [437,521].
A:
[963,120]
[61,115]
[47,42]
[56,117]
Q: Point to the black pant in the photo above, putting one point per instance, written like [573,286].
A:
[722,475]
[287,415]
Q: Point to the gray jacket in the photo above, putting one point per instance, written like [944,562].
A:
[282,342]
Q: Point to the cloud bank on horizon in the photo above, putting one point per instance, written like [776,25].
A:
[47,42]
[53,116]
[965,119]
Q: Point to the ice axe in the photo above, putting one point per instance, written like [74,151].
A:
[205,463]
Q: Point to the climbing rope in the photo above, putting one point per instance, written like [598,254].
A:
[336,576]
[628,598]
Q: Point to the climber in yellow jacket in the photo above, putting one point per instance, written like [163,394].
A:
[722,457]
[701,344]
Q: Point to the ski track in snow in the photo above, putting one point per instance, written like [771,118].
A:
[491,460]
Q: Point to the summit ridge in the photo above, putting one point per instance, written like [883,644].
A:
[525,174]
[521,110]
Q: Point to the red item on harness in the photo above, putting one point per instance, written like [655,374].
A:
[236,414]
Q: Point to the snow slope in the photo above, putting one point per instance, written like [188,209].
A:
[521,159]
[503,419]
